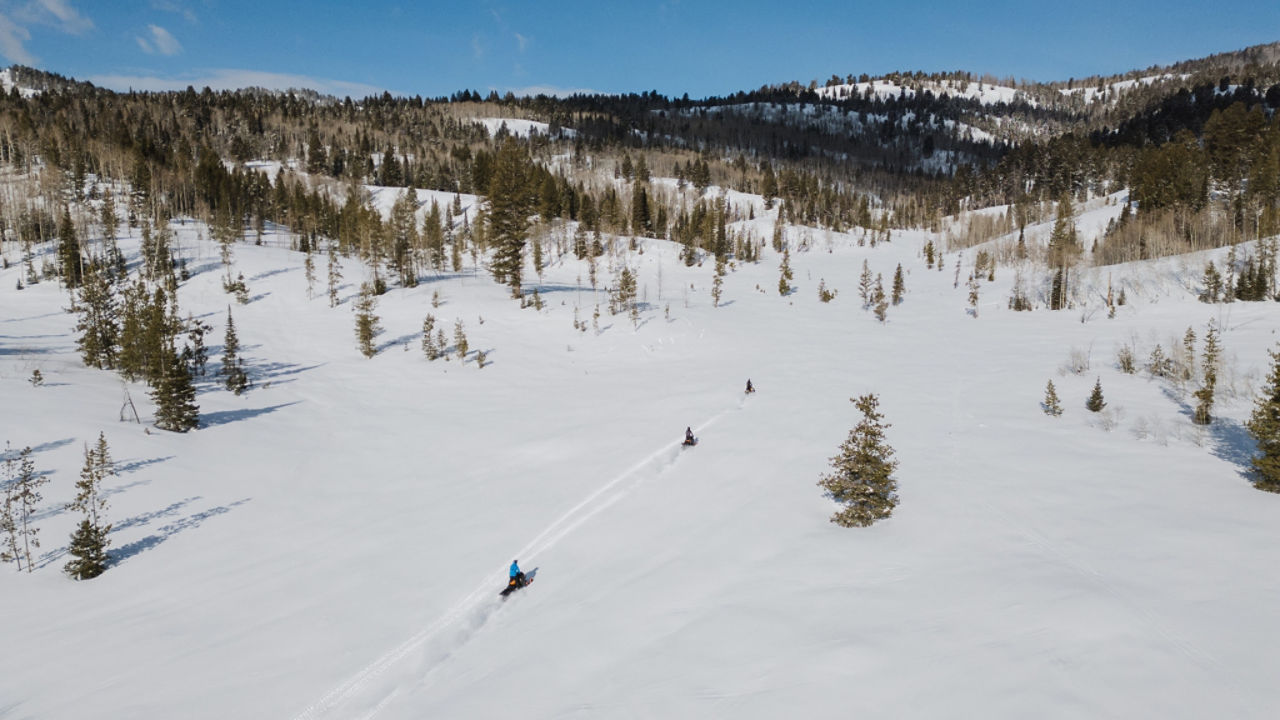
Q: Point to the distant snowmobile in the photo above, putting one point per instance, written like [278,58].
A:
[689,439]
[750,388]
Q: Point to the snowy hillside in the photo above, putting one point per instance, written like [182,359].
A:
[331,544]
[886,88]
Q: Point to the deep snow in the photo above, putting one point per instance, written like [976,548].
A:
[331,544]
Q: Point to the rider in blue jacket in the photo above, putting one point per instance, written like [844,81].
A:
[517,577]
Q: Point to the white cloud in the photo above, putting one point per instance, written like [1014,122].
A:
[477,47]
[13,42]
[522,42]
[15,17]
[161,41]
[175,7]
[57,13]
[233,79]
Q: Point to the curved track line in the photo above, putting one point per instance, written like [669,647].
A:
[556,531]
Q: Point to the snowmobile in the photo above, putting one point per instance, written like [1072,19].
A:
[517,582]
[689,439]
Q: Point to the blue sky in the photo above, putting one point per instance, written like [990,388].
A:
[672,46]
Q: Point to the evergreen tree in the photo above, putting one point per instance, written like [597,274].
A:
[928,255]
[1212,282]
[1264,425]
[717,283]
[1051,405]
[865,285]
[1095,403]
[879,301]
[1159,365]
[973,294]
[175,395]
[899,285]
[460,343]
[236,379]
[863,480]
[429,346]
[99,322]
[69,259]
[22,493]
[89,541]
[1064,248]
[509,206]
[784,277]
[1203,414]
[335,274]
[9,510]
[367,326]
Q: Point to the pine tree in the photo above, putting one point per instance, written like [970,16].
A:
[429,346]
[1159,365]
[367,326]
[1203,414]
[1212,282]
[879,302]
[1051,404]
[973,294]
[99,323]
[72,265]
[335,274]
[863,480]
[1095,402]
[899,285]
[717,283]
[175,395]
[1187,366]
[236,379]
[1264,425]
[8,511]
[865,285]
[928,255]
[22,493]
[784,277]
[460,343]
[510,203]
[89,541]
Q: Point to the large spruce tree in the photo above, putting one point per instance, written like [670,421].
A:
[175,395]
[510,203]
[1264,425]
[863,480]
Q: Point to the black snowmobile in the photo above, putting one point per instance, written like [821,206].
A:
[517,582]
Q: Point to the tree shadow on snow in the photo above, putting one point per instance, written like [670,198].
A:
[1233,443]
[269,273]
[124,552]
[222,417]
[402,340]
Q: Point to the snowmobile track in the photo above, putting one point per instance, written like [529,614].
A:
[601,499]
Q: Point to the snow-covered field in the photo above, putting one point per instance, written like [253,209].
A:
[331,544]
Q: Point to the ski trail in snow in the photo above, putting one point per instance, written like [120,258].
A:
[602,498]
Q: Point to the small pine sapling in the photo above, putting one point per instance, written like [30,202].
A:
[460,340]
[429,346]
[1051,404]
[879,302]
[1203,414]
[899,285]
[1095,403]
[784,278]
